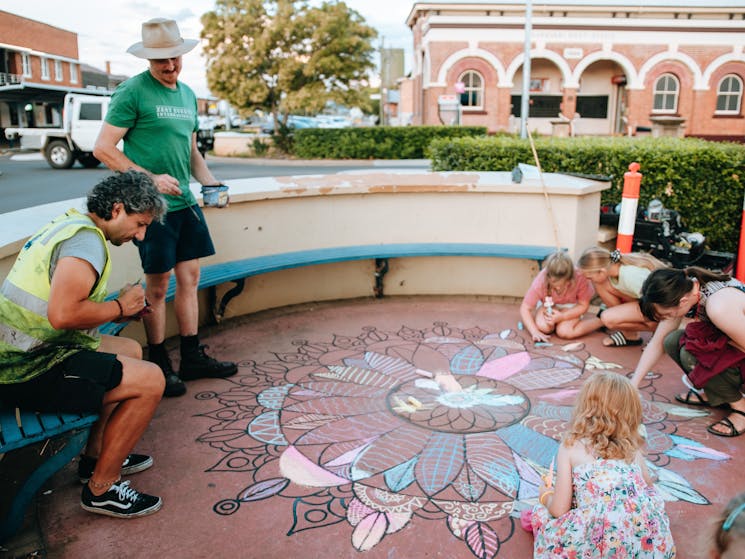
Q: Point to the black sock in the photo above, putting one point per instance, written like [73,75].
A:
[189,344]
[157,352]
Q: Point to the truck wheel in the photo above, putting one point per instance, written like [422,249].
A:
[58,155]
[88,161]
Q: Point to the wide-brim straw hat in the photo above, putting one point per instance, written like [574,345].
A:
[161,39]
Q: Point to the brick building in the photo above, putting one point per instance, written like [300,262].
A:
[38,64]
[598,67]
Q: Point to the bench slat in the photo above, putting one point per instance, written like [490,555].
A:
[30,424]
[51,421]
[9,430]
[37,427]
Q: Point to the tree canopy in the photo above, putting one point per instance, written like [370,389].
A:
[285,56]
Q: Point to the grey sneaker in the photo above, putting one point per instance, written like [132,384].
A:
[132,464]
[120,501]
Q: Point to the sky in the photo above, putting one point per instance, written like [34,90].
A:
[106,28]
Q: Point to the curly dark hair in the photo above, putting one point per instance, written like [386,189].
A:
[134,189]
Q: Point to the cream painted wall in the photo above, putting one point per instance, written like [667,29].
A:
[281,214]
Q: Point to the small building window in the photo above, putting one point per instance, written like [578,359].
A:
[73,73]
[473,93]
[539,106]
[666,90]
[729,95]
[26,65]
[44,68]
[58,70]
[592,106]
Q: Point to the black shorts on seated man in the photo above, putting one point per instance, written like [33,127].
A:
[52,357]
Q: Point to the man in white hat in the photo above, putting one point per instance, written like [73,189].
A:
[156,117]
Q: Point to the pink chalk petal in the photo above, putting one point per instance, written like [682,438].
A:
[369,531]
[302,471]
[505,367]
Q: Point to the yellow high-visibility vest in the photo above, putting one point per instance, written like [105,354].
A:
[29,345]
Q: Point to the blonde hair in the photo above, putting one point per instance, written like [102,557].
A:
[596,258]
[607,417]
[558,266]
[730,525]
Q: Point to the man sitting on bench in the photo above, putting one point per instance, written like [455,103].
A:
[52,359]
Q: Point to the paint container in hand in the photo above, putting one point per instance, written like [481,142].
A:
[215,196]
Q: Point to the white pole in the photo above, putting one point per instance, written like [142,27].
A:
[525,98]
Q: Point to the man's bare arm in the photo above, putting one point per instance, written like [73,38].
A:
[69,307]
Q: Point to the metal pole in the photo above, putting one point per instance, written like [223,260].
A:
[525,98]
[383,85]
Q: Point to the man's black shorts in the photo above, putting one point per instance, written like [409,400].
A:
[182,236]
[77,385]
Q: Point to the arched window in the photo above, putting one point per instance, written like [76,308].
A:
[729,95]
[473,93]
[666,90]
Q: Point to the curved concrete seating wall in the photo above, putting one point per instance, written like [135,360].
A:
[281,214]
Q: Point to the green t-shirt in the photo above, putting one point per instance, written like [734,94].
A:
[161,122]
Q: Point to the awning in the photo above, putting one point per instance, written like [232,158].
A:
[23,93]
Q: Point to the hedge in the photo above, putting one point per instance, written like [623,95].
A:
[378,142]
[701,180]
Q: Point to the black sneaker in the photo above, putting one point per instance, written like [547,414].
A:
[174,385]
[121,501]
[197,364]
[132,464]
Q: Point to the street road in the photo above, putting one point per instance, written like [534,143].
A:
[27,180]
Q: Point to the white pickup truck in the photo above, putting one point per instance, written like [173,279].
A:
[82,116]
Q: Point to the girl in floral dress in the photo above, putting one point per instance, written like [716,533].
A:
[603,504]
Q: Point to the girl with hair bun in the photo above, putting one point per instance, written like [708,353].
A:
[618,279]
[711,349]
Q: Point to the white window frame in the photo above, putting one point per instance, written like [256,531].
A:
[73,73]
[729,94]
[467,79]
[58,70]
[665,94]
[44,68]
[26,64]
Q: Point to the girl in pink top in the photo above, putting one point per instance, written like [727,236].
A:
[564,296]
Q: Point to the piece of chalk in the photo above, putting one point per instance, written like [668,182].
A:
[520,326]
[414,402]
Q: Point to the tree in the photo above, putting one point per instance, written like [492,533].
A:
[284,56]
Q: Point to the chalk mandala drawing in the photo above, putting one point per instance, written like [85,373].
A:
[446,424]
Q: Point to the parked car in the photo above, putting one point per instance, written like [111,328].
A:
[293,122]
[205,135]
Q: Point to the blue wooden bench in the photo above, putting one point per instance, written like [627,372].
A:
[237,271]
[19,429]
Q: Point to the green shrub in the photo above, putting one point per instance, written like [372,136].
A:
[260,148]
[379,142]
[701,180]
